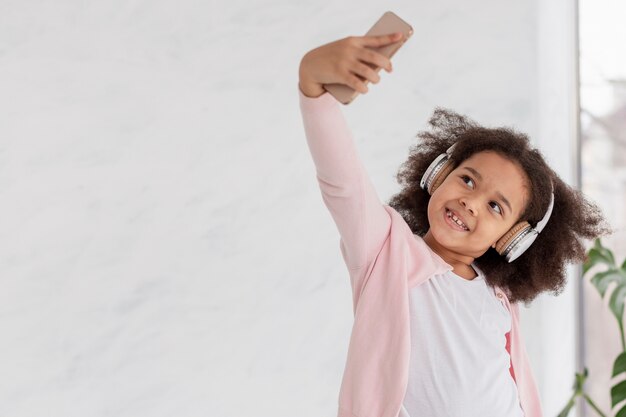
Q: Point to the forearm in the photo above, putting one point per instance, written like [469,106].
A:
[346,188]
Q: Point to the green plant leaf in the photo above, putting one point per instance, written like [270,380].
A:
[597,243]
[609,256]
[621,412]
[619,365]
[601,280]
[623,267]
[616,303]
[598,256]
[618,393]
[590,260]
[606,252]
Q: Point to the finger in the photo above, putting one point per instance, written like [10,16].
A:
[382,39]
[366,72]
[378,60]
[356,83]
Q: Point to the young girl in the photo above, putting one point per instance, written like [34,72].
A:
[481,224]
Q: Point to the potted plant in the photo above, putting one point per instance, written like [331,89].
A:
[600,255]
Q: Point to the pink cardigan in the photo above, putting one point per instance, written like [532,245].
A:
[384,260]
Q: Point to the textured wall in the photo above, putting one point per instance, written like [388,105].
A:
[164,249]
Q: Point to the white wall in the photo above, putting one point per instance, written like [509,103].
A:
[164,246]
[552,321]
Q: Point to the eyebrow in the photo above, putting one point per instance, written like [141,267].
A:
[498,193]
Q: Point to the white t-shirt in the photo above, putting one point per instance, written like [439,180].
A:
[459,365]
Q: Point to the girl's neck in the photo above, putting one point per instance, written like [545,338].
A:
[461,264]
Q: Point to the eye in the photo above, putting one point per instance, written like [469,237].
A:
[464,177]
[498,206]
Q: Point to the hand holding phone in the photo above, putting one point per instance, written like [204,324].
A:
[344,67]
[389,22]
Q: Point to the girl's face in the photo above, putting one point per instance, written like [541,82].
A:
[487,193]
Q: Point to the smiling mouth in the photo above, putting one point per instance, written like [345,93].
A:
[454,221]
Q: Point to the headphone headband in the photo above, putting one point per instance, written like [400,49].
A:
[546,216]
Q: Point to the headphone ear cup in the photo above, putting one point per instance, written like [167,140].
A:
[441,176]
[511,235]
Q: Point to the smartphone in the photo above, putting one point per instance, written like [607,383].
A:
[389,22]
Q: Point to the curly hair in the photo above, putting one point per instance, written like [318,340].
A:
[542,267]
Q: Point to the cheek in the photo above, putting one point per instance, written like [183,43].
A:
[431,206]
[491,228]
[498,229]
[437,198]
[435,206]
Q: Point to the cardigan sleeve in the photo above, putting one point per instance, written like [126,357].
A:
[346,188]
[522,371]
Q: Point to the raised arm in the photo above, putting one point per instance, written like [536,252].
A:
[346,188]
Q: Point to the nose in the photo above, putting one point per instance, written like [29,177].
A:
[468,205]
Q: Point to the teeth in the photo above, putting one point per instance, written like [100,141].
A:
[456,220]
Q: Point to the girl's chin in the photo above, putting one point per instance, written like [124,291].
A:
[451,242]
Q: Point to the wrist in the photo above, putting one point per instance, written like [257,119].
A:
[311,89]
[307,85]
